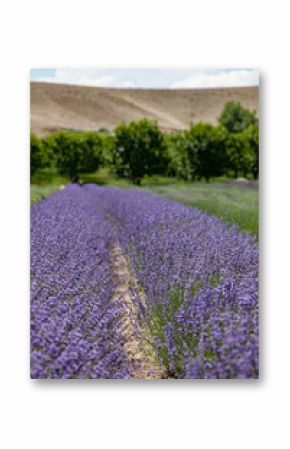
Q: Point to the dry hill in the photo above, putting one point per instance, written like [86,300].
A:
[63,106]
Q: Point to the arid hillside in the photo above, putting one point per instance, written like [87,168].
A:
[62,106]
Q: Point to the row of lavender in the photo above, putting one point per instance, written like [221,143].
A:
[200,278]
[74,322]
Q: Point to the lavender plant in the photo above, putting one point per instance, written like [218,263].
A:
[200,278]
[74,322]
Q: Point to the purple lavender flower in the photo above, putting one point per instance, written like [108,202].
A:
[199,278]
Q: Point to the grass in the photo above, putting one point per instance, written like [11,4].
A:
[47,176]
[233,203]
[44,183]
[39,192]
[104,177]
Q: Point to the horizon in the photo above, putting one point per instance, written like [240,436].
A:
[149,78]
[141,88]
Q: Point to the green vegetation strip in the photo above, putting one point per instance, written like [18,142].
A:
[39,192]
[235,204]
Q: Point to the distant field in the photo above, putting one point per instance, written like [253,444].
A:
[231,202]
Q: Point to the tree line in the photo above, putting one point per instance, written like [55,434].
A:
[133,150]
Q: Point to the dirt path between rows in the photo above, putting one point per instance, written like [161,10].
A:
[138,344]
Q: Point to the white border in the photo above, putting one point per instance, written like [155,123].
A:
[153,33]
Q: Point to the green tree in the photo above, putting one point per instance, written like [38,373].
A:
[236,118]
[49,149]
[250,138]
[243,152]
[108,144]
[77,153]
[206,149]
[140,150]
[253,136]
[178,165]
[36,154]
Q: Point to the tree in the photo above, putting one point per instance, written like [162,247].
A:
[108,146]
[36,154]
[250,137]
[139,150]
[178,165]
[206,149]
[243,152]
[77,153]
[253,136]
[236,118]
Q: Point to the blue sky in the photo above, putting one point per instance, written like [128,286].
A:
[149,77]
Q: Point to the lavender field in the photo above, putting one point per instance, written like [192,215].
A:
[126,284]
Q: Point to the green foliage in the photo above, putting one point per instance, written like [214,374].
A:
[108,145]
[36,154]
[243,152]
[104,131]
[179,164]
[50,149]
[76,153]
[48,175]
[140,150]
[236,118]
[198,153]
[39,192]
[206,150]
[251,137]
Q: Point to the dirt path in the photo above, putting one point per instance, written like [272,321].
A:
[138,345]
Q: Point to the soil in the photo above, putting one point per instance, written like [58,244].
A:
[138,344]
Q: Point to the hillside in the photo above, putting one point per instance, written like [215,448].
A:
[63,106]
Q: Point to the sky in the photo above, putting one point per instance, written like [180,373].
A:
[173,78]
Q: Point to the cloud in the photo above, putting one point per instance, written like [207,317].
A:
[102,81]
[90,77]
[128,83]
[150,78]
[87,77]
[218,78]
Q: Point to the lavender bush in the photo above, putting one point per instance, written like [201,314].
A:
[74,323]
[199,278]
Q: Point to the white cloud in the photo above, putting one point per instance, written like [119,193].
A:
[101,81]
[87,77]
[128,83]
[220,78]
[153,78]
[84,77]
